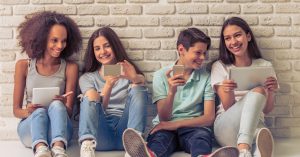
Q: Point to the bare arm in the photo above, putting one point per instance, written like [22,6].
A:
[71,82]
[225,91]
[271,85]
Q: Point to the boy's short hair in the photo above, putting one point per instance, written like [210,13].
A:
[188,37]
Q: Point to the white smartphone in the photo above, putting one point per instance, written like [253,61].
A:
[178,69]
[112,70]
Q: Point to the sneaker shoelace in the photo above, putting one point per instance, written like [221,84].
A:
[87,147]
[59,152]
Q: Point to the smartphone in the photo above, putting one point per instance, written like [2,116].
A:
[112,70]
[178,69]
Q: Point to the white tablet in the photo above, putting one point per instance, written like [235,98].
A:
[250,77]
[44,96]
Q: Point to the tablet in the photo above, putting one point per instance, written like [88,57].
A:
[44,96]
[250,77]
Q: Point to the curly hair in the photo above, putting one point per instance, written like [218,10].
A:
[34,31]
[91,63]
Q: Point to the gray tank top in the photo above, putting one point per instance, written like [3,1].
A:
[36,80]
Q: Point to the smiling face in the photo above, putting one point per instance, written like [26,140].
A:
[56,40]
[236,40]
[194,56]
[103,51]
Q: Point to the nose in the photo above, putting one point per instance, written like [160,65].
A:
[60,45]
[233,41]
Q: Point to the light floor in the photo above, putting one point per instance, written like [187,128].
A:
[283,148]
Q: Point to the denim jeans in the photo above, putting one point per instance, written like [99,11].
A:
[47,125]
[107,130]
[196,141]
[238,124]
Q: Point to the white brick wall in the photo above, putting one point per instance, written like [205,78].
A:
[148,29]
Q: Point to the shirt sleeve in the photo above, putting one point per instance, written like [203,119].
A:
[218,74]
[159,87]
[208,91]
[86,83]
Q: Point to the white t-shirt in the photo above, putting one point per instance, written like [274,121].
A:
[219,72]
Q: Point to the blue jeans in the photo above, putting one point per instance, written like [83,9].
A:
[46,125]
[195,141]
[107,130]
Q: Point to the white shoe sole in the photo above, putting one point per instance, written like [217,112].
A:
[226,152]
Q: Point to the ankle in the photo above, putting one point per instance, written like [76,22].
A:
[242,146]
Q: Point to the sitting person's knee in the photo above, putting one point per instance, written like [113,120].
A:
[92,95]
[260,90]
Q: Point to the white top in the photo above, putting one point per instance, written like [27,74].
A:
[220,72]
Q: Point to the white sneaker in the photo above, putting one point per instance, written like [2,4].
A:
[42,151]
[264,143]
[58,152]
[88,148]
[245,153]
[134,144]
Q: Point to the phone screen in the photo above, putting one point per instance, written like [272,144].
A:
[112,70]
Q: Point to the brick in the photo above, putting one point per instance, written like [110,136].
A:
[143,1]
[176,21]
[6,33]
[129,33]
[274,43]
[208,1]
[6,99]
[148,66]
[178,1]
[7,67]
[240,1]
[14,2]
[143,21]
[136,55]
[192,9]
[282,65]
[251,20]
[159,32]
[169,44]
[281,132]
[257,8]
[215,43]
[144,44]
[295,132]
[68,10]
[6,88]
[6,78]
[24,10]
[289,76]
[284,99]
[296,44]
[268,54]
[213,55]
[8,44]
[296,20]
[126,10]
[84,21]
[275,20]
[288,32]
[225,9]
[297,65]
[214,32]
[149,78]
[125,44]
[46,1]
[203,29]
[287,8]
[161,9]
[7,55]
[280,111]
[285,88]
[296,99]
[208,20]
[270,1]
[287,122]
[78,1]
[92,10]
[111,1]
[8,21]
[163,55]
[296,111]
[111,21]
[263,31]
[287,54]
[86,32]
[5,10]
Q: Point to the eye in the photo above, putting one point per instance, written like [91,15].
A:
[54,40]
[96,48]
[238,35]
[227,38]
[106,46]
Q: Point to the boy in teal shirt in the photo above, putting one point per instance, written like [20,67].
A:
[185,105]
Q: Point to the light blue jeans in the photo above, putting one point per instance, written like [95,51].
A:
[238,124]
[107,130]
[46,125]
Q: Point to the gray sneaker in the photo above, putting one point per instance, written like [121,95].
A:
[245,153]
[264,143]
[58,152]
[42,151]
[227,151]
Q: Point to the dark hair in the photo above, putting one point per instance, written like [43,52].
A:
[190,36]
[35,29]
[225,55]
[91,63]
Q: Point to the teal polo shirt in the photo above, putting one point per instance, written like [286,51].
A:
[189,99]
